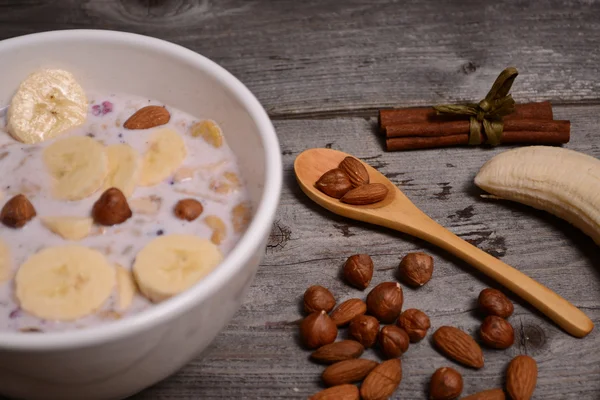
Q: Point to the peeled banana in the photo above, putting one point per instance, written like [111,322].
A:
[123,168]
[164,155]
[5,267]
[69,228]
[46,104]
[563,182]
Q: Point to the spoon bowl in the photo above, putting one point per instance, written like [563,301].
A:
[397,212]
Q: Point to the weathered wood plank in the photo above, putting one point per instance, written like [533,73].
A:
[327,56]
[258,355]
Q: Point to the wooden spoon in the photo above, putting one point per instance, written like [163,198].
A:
[397,212]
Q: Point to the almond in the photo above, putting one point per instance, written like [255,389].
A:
[148,117]
[338,351]
[521,377]
[492,394]
[17,212]
[365,194]
[341,392]
[356,171]
[348,371]
[347,311]
[382,381]
[458,346]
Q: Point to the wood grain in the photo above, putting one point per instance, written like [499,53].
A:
[329,63]
[326,56]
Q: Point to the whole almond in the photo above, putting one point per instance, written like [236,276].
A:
[521,377]
[492,394]
[148,117]
[338,351]
[348,371]
[317,330]
[382,381]
[365,194]
[497,332]
[317,298]
[458,346]
[347,311]
[358,270]
[341,392]
[356,171]
[334,183]
[17,212]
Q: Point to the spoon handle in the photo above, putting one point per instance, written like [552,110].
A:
[562,312]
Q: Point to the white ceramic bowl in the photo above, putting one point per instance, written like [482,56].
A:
[119,359]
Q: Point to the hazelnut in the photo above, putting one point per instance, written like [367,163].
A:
[416,269]
[188,209]
[317,298]
[494,302]
[384,302]
[415,323]
[497,332]
[364,329]
[393,341]
[111,208]
[358,270]
[317,330]
[347,311]
[17,212]
[446,384]
[334,183]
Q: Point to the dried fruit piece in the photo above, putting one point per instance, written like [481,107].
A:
[17,212]
[347,311]
[188,209]
[111,208]
[492,394]
[148,117]
[416,269]
[458,346]
[183,174]
[494,302]
[218,227]
[240,217]
[355,170]
[385,302]
[358,270]
[497,332]
[383,381]
[415,322]
[338,351]
[317,298]
[341,392]
[348,371]
[334,183]
[209,131]
[393,341]
[317,330]
[364,329]
[446,384]
[366,194]
[521,377]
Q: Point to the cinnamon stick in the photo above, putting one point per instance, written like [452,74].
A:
[541,110]
[508,137]
[450,128]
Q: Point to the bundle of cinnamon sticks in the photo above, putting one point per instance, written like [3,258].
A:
[421,128]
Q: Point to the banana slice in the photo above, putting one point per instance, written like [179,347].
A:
[79,165]
[123,168]
[5,264]
[165,154]
[69,228]
[168,265]
[125,287]
[64,283]
[46,104]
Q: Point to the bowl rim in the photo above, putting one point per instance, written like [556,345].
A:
[232,263]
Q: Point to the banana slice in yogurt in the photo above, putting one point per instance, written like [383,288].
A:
[46,104]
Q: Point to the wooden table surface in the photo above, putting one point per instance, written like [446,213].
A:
[322,68]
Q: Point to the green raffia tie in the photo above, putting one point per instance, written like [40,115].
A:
[488,112]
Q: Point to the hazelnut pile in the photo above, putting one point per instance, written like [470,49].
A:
[379,322]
